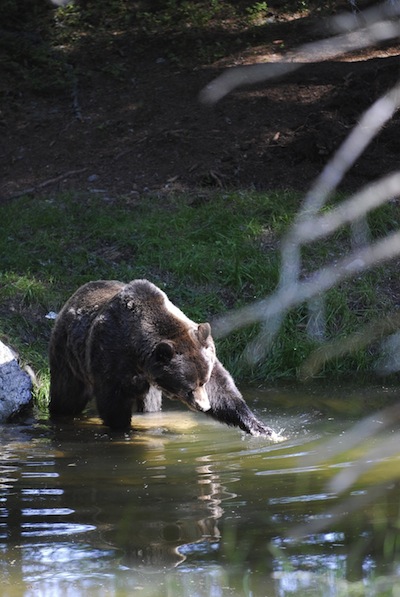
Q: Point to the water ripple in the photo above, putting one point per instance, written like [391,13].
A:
[47,529]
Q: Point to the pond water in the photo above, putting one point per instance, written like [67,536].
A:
[184,506]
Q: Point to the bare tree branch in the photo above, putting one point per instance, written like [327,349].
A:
[378,27]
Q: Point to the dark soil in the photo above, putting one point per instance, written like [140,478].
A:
[145,130]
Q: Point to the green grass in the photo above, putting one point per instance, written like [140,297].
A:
[209,255]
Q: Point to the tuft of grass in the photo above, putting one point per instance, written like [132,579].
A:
[209,254]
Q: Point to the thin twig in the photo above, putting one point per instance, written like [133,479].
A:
[46,183]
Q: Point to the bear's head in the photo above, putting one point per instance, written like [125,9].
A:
[182,366]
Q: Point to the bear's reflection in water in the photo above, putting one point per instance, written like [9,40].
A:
[148,494]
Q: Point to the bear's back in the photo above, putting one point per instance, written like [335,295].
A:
[75,318]
[94,295]
[152,307]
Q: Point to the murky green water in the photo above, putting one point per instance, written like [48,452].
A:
[188,507]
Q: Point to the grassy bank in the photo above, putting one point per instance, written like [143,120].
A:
[208,254]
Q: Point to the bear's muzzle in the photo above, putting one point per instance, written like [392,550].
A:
[200,399]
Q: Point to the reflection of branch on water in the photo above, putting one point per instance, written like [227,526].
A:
[373,427]
[375,439]
[333,515]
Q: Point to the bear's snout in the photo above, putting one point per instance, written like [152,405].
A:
[200,399]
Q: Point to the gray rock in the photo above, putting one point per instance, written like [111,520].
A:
[15,384]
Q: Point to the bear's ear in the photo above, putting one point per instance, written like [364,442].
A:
[164,351]
[204,331]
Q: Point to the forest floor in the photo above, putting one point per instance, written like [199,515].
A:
[132,123]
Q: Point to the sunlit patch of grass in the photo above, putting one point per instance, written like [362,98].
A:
[23,288]
[23,323]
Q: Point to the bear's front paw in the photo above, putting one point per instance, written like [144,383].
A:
[257,428]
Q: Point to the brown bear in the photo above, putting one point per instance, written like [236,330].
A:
[120,343]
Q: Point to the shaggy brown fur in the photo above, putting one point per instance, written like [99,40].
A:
[120,343]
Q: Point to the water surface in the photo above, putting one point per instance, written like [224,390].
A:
[184,506]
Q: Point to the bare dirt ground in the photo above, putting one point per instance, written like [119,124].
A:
[144,130]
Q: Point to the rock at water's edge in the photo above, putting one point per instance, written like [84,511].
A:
[15,384]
